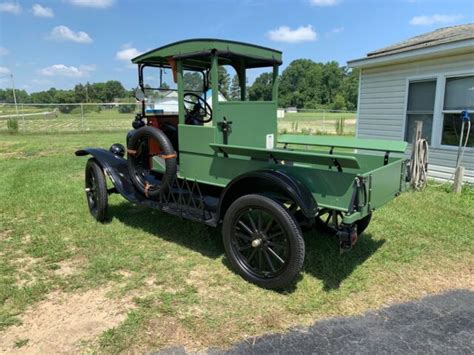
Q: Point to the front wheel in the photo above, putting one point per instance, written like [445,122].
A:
[263,242]
[96,190]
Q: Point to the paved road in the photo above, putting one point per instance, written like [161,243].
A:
[441,324]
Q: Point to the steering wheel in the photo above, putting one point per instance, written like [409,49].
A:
[200,108]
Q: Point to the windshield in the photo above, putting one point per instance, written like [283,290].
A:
[161,91]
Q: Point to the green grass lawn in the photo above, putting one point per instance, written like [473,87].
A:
[173,273]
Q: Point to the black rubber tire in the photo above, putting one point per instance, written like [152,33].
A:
[362,224]
[167,149]
[296,248]
[96,190]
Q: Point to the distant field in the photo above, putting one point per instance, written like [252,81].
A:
[36,119]
[318,115]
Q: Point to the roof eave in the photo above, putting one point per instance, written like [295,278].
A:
[462,46]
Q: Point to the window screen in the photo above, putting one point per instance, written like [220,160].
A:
[421,97]
[459,93]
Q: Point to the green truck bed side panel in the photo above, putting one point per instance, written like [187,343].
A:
[387,182]
[345,142]
[283,154]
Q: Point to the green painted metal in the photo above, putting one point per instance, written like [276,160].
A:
[283,154]
[252,121]
[198,51]
[344,142]
[205,158]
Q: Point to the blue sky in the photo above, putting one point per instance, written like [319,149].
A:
[59,43]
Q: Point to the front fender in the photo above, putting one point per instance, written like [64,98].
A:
[116,168]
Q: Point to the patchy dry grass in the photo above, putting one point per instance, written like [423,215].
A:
[156,281]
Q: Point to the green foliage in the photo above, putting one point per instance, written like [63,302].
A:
[12,125]
[235,88]
[193,81]
[307,84]
[339,103]
[127,108]
[224,81]
[261,89]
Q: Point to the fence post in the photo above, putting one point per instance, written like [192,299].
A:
[23,116]
[82,117]
[324,119]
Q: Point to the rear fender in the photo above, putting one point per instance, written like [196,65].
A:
[264,181]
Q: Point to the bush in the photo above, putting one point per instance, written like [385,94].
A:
[126,108]
[12,125]
[86,109]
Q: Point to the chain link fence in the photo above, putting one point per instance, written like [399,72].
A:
[95,117]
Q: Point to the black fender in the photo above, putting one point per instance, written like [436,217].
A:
[261,181]
[116,168]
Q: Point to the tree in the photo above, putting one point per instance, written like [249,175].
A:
[113,89]
[300,84]
[261,89]
[193,81]
[350,87]
[234,93]
[224,81]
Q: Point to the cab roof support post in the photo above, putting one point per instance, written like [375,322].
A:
[215,84]
[275,84]
[179,72]
[242,81]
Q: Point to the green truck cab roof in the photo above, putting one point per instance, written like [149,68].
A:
[196,54]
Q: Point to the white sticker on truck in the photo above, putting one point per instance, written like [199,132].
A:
[270,141]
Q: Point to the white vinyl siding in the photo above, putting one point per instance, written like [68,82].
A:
[383,104]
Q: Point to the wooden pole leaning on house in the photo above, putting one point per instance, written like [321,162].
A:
[458,178]
[419,159]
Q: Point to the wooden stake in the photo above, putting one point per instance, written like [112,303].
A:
[458,178]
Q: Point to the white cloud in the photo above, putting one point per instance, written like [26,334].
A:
[324,2]
[99,4]
[4,51]
[42,11]
[11,7]
[286,34]
[64,33]
[337,30]
[127,52]
[434,19]
[4,71]
[63,70]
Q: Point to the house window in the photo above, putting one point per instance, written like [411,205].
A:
[421,99]
[458,96]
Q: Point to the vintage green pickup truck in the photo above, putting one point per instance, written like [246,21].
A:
[222,163]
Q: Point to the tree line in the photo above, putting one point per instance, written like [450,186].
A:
[303,84]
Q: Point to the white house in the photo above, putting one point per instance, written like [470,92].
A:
[427,78]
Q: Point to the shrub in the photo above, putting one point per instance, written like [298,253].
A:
[126,108]
[12,125]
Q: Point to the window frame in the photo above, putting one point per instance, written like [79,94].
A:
[445,76]
[438,112]
[418,78]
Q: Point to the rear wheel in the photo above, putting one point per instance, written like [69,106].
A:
[96,190]
[263,242]
[330,221]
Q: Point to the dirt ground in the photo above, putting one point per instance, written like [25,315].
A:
[63,322]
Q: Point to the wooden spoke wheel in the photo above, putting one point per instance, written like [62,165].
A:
[263,242]
[96,190]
